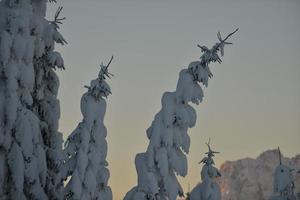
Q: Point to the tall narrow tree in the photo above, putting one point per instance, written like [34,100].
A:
[46,105]
[169,142]
[86,147]
[25,37]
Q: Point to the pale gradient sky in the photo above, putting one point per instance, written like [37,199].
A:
[252,103]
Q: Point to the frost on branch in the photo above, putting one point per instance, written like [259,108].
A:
[169,141]
[208,189]
[86,147]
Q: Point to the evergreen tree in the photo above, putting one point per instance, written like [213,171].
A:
[86,147]
[26,38]
[46,105]
[169,142]
[208,189]
[284,185]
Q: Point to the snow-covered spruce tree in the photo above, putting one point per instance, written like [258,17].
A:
[86,147]
[284,185]
[46,105]
[208,189]
[24,156]
[169,142]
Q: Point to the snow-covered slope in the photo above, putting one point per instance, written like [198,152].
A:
[249,179]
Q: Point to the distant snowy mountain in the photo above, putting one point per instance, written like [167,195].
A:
[252,179]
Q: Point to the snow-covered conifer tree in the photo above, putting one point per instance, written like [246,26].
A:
[284,185]
[25,161]
[169,141]
[86,147]
[46,105]
[208,189]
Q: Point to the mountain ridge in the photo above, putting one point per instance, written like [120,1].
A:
[252,178]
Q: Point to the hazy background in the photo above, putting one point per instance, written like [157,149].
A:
[252,103]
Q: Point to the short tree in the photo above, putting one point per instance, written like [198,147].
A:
[284,185]
[208,189]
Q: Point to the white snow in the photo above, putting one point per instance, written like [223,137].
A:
[5,47]
[55,60]
[16,165]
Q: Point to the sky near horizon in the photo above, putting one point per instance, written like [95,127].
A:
[251,104]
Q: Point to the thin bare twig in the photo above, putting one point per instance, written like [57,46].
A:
[56,17]
[104,69]
[230,34]
[112,57]
[58,20]
[279,152]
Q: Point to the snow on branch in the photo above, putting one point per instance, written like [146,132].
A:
[211,153]
[200,69]
[98,87]
[211,55]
